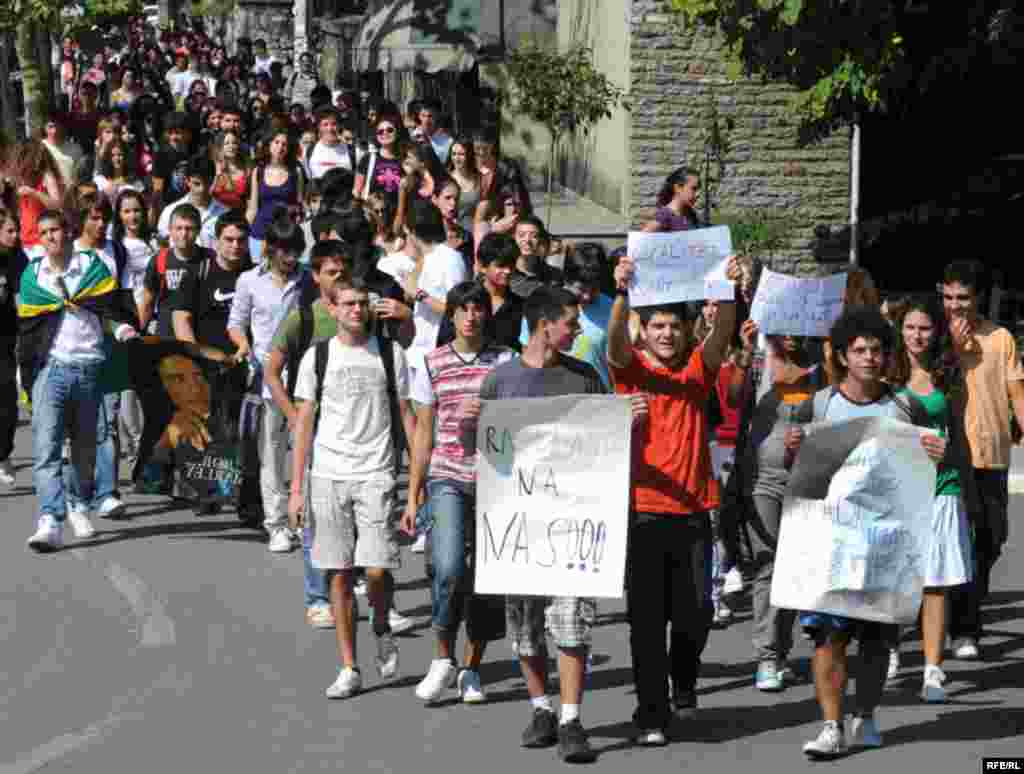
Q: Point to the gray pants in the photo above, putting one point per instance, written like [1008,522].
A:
[275,466]
[773,627]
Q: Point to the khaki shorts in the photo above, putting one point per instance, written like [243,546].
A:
[353,524]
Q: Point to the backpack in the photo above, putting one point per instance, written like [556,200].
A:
[387,356]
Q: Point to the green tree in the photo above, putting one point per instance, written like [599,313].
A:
[33,23]
[850,56]
[563,92]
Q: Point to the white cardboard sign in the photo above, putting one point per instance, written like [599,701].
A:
[553,496]
[680,266]
[797,306]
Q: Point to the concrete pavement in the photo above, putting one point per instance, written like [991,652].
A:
[172,644]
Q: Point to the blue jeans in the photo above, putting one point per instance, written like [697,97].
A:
[314,581]
[108,449]
[452,539]
[65,399]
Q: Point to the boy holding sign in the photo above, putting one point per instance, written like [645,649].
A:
[552,315]
[862,342]
[673,493]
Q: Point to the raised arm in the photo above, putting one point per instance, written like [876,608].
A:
[717,342]
[620,350]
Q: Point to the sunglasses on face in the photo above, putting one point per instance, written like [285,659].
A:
[386,130]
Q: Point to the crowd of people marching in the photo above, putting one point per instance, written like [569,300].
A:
[375,280]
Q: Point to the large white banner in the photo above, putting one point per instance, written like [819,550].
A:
[797,306]
[856,522]
[680,266]
[553,496]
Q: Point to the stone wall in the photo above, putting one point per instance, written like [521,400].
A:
[673,68]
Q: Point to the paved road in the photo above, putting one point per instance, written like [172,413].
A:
[171,644]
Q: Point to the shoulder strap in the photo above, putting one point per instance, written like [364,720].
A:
[161,261]
[320,355]
[822,398]
[371,167]
[120,256]
[204,270]
[305,339]
[387,355]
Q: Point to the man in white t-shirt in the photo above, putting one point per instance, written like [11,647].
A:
[335,148]
[358,384]
[261,59]
[200,179]
[443,269]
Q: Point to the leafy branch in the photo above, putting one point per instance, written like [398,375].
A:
[564,92]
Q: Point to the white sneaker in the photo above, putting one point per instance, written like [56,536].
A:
[894,664]
[280,541]
[49,535]
[6,474]
[651,737]
[348,683]
[387,656]
[111,508]
[359,588]
[733,581]
[723,614]
[864,733]
[965,649]
[80,524]
[829,744]
[320,616]
[398,622]
[470,689]
[932,690]
[420,545]
[442,675]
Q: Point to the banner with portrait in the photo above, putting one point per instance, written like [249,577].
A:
[191,398]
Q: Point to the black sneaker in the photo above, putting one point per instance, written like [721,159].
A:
[685,704]
[543,729]
[573,746]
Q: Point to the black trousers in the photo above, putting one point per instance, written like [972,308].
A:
[669,569]
[988,514]
[8,400]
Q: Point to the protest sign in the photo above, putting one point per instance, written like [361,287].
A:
[797,306]
[553,496]
[680,266]
[191,399]
[856,522]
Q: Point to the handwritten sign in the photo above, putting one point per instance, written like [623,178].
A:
[797,306]
[856,522]
[680,266]
[553,496]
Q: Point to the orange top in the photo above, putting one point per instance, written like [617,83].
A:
[988,369]
[30,208]
[671,460]
[234,195]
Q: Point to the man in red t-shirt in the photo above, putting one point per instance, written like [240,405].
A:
[673,492]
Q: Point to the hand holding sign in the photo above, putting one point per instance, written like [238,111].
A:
[679,266]
[797,306]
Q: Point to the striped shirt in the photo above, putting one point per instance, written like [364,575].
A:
[447,379]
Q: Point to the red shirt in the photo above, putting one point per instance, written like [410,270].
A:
[671,461]
[730,426]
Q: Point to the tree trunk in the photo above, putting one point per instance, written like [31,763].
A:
[551,171]
[34,76]
[8,129]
